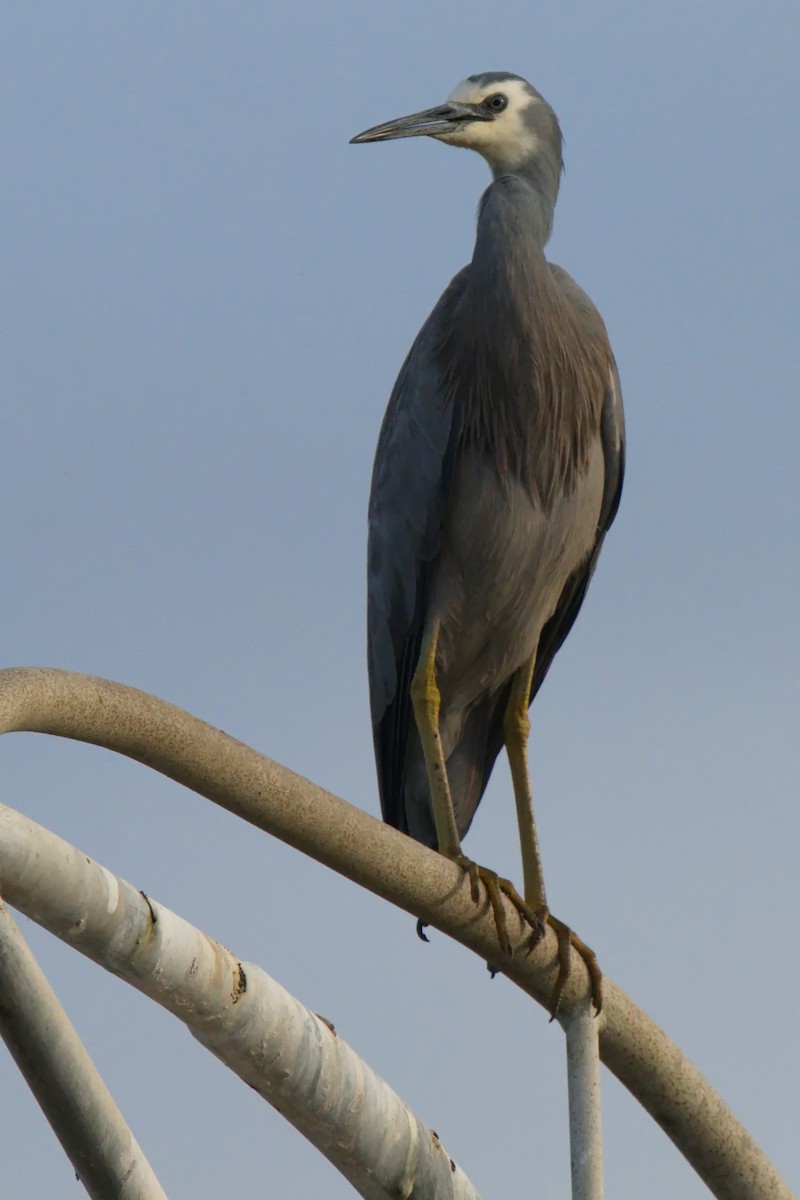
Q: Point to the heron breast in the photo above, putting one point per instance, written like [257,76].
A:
[503,566]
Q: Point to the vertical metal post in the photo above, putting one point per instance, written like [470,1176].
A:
[583,1082]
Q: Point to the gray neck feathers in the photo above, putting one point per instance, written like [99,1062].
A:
[526,377]
[543,180]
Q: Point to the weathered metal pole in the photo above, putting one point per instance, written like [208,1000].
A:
[583,1083]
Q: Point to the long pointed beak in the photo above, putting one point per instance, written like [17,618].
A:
[429,123]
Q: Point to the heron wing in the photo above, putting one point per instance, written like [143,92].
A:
[612,436]
[413,461]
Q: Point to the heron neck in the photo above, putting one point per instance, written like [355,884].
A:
[514,224]
[542,177]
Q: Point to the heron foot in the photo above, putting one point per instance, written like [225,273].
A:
[496,887]
[568,941]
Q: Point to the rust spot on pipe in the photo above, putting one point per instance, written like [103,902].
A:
[239,983]
[146,899]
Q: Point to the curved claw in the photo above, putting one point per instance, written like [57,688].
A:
[537,919]
[496,887]
[568,940]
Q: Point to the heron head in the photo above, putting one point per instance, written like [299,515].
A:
[499,115]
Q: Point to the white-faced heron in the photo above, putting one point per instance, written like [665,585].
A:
[497,475]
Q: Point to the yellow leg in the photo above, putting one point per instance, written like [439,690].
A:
[516,729]
[426,701]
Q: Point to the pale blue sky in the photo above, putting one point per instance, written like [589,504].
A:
[207,295]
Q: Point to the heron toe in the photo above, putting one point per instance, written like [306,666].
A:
[567,942]
[537,918]
[496,887]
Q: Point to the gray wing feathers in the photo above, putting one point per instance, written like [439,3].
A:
[612,433]
[405,516]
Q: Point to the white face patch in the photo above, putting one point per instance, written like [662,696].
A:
[503,141]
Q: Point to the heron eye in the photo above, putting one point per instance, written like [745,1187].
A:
[496,103]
